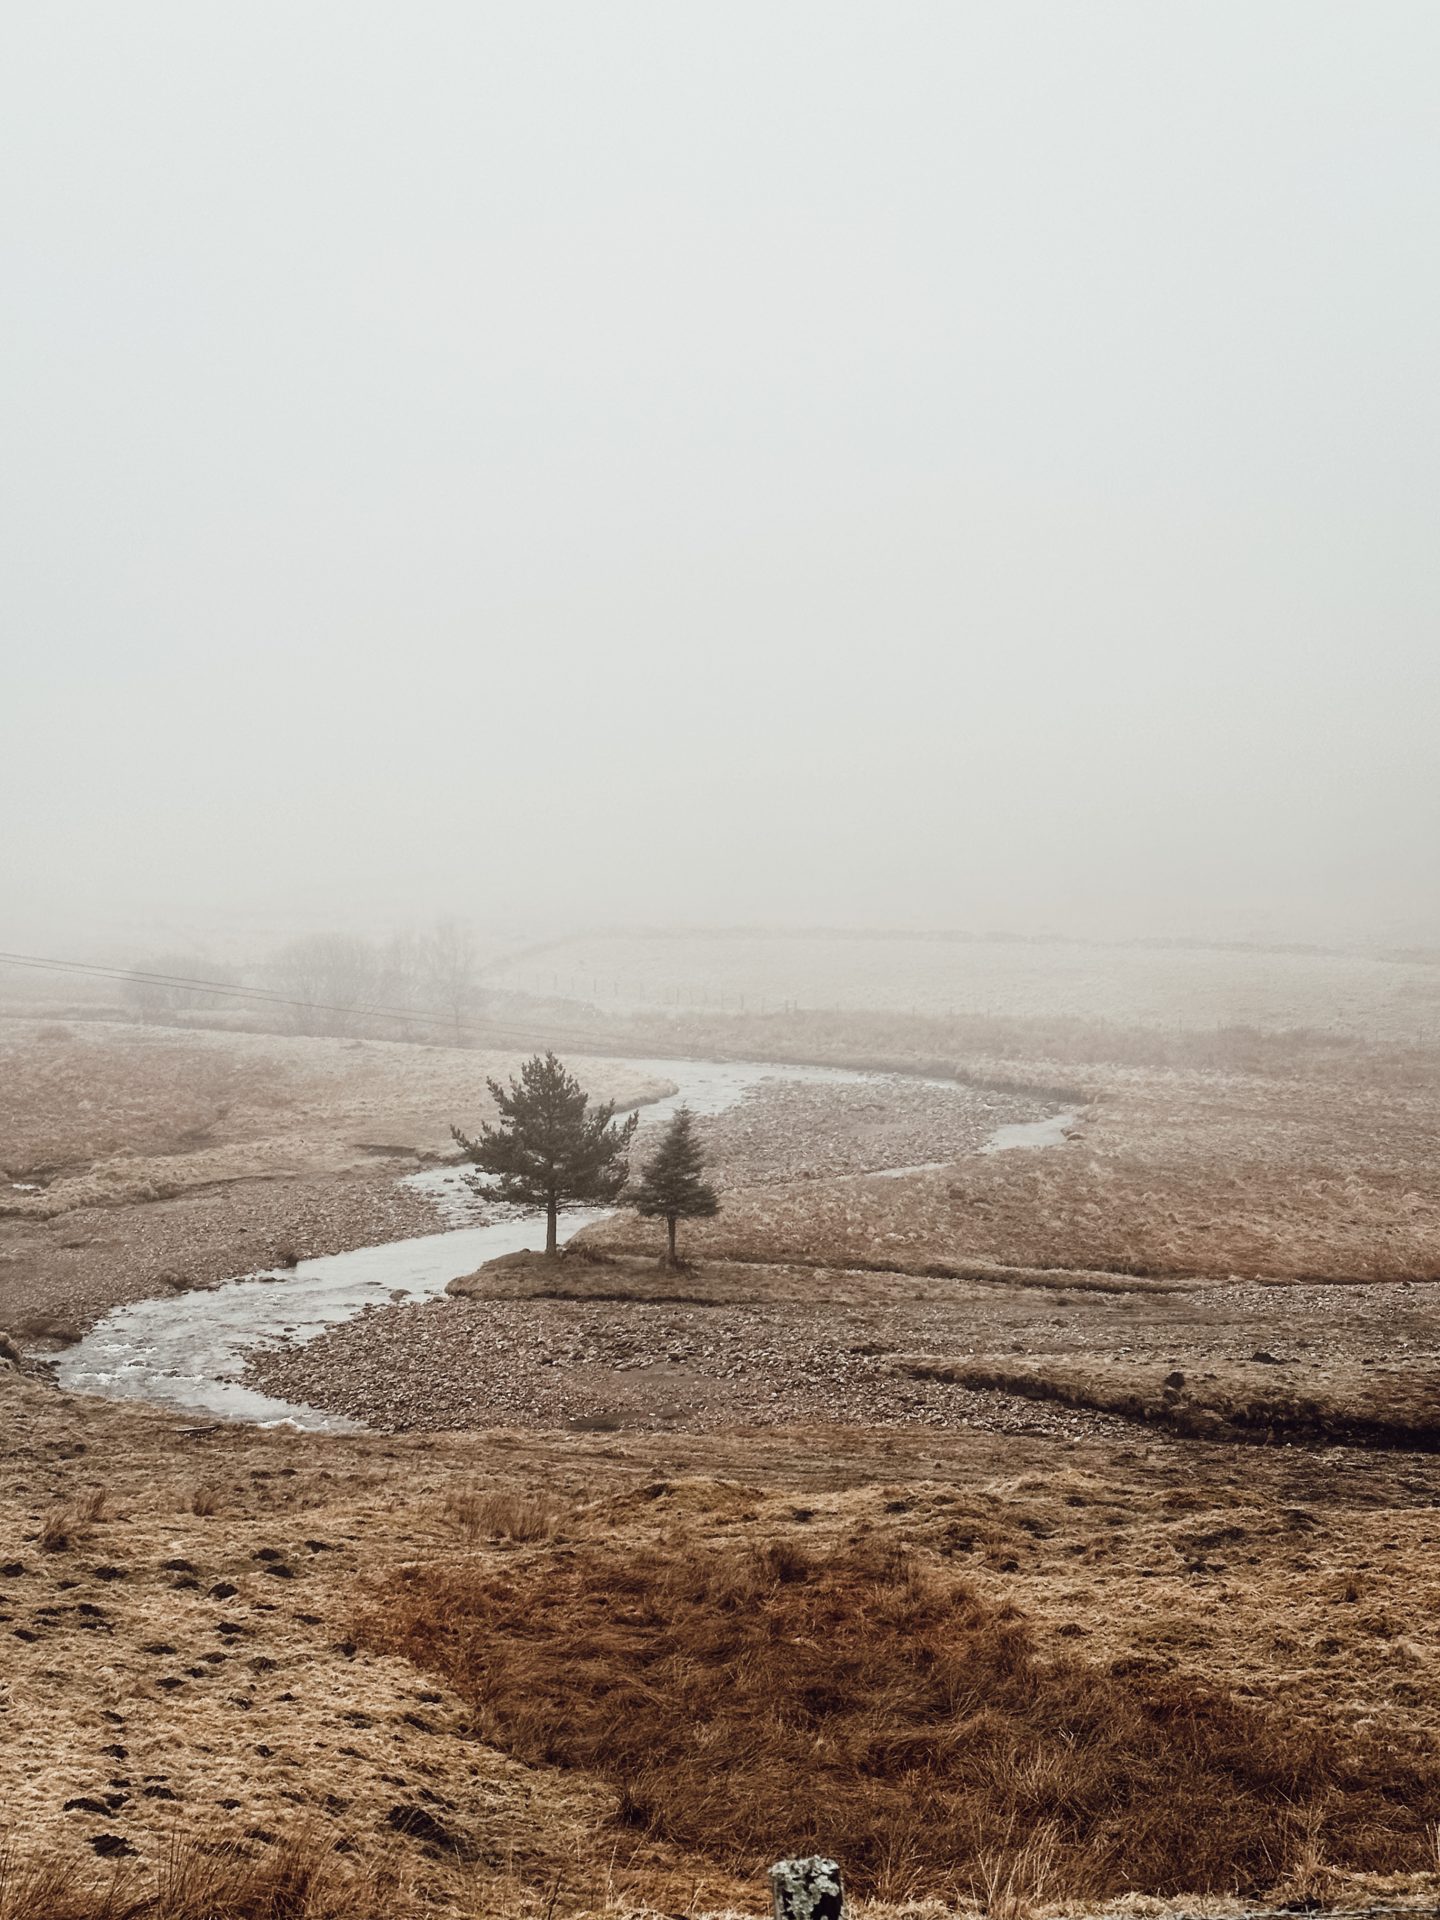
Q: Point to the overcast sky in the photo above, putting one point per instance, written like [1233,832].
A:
[957,464]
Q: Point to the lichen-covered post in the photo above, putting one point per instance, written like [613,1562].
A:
[807,1889]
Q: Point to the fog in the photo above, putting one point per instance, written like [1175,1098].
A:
[937,465]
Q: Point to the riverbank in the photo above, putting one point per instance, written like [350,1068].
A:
[144,1162]
[624,1346]
[191,1351]
[590,1342]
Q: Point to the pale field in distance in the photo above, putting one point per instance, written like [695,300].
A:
[1351,992]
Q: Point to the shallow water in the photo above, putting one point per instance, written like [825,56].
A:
[1053,1132]
[188,1350]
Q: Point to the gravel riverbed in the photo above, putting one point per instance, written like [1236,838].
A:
[647,1365]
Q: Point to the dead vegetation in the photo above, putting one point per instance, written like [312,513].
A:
[67,1526]
[502,1513]
[870,1708]
[297,1875]
[117,1115]
[1181,1659]
[1169,1175]
[731,1343]
[1399,1408]
[1282,1595]
[948,983]
[136,1162]
[299,1879]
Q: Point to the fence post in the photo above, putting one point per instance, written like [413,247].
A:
[807,1889]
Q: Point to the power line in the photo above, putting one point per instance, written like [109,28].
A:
[265,996]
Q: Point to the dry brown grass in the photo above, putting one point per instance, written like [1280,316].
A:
[50,1329]
[503,1513]
[299,1877]
[1355,1409]
[74,1100]
[749,1702]
[117,1115]
[1170,1174]
[66,1526]
[1301,1581]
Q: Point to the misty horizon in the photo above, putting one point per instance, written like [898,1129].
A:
[835,467]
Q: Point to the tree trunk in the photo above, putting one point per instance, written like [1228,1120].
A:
[670,1240]
[550,1237]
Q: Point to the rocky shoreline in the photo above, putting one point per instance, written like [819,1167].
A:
[591,1341]
[615,1346]
[57,1278]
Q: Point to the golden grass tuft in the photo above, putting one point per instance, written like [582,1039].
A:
[297,1879]
[65,1526]
[503,1513]
[747,1703]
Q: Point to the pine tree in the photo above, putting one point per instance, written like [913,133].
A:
[548,1150]
[670,1187]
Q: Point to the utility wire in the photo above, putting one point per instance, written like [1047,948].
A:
[267,997]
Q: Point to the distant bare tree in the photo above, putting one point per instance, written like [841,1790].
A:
[400,983]
[157,1000]
[335,977]
[449,970]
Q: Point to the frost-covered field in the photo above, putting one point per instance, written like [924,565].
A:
[1354,992]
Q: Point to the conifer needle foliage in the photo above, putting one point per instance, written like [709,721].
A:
[550,1148]
[672,1186]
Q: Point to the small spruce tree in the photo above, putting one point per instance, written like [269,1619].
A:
[549,1149]
[671,1187]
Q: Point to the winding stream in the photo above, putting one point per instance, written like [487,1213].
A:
[188,1351]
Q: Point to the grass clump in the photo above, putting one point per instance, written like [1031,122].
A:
[297,1879]
[65,1526]
[747,1703]
[502,1513]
